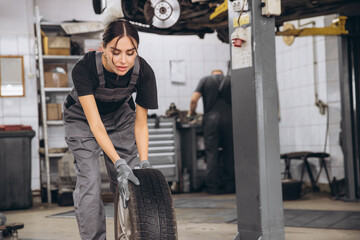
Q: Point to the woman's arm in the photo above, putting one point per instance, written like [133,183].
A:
[97,127]
[141,132]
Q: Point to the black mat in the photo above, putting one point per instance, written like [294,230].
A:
[322,219]
[224,211]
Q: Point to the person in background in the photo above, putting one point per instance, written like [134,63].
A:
[99,114]
[215,91]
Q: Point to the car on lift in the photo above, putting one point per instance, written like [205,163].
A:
[192,17]
[167,17]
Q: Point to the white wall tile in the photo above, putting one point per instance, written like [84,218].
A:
[335,113]
[209,50]
[322,91]
[197,69]
[280,80]
[321,67]
[320,46]
[332,70]
[278,43]
[222,52]
[23,45]
[182,51]
[159,68]
[160,84]
[11,107]
[279,61]
[1,111]
[197,52]
[287,60]
[333,91]
[8,44]
[331,44]
[11,120]
[170,51]
[170,89]
[334,134]
[337,155]
[209,66]
[35,179]
[156,51]
[28,108]
[223,65]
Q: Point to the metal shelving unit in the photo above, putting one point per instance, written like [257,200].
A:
[63,89]
[44,91]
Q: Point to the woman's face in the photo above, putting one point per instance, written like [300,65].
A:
[120,58]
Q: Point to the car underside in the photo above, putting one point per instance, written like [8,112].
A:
[192,17]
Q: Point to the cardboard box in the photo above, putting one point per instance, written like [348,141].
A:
[53,79]
[54,67]
[58,51]
[55,45]
[53,111]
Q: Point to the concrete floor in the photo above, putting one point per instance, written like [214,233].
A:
[39,226]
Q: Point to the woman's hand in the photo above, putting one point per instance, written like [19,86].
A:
[124,174]
[145,164]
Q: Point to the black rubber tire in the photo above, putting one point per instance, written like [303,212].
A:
[223,34]
[97,6]
[151,209]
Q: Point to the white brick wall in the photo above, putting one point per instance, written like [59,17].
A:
[200,55]
[302,128]
[17,38]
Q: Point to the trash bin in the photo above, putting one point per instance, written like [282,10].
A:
[15,167]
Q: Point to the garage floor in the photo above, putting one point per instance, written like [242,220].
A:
[213,220]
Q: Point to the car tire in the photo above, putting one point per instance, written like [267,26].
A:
[150,213]
[223,34]
[97,6]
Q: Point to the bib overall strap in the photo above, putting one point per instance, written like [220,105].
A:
[135,73]
[99,67]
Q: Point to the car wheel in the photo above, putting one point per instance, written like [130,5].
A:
[150,213]
[223,34]
[98,6]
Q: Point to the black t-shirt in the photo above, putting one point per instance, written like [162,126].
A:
[84,75]
[225,90]
[209,89]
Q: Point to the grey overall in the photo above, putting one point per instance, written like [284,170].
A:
[89,208]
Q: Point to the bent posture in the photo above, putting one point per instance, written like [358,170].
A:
[100,115]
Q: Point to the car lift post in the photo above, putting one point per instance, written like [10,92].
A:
[256,131]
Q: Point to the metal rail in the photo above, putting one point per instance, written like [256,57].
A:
[43,101]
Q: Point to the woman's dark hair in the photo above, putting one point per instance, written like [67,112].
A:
[119,28]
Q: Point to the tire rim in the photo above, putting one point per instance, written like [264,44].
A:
[124,224]
[166,13]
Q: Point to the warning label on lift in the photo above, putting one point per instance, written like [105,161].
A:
[241,48]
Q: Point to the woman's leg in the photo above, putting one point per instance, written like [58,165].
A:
[89,208]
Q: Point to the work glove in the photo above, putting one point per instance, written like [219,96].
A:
[124,174]
[145,164]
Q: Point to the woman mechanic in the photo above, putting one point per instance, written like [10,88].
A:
[99,114]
